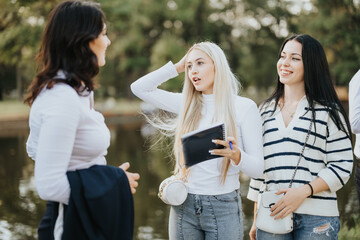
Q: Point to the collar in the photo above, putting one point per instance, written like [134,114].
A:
[302,101]
[208,97]
[60,74]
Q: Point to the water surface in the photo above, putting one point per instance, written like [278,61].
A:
[21,209]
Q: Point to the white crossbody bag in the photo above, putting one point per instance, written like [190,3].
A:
[173,190]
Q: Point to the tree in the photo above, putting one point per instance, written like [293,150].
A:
[336,24]
[21,25]
[147,33]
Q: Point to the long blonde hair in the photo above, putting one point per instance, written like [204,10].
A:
[225,88]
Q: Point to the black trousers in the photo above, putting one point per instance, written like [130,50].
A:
[47,223]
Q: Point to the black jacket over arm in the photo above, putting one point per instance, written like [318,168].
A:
[100,206]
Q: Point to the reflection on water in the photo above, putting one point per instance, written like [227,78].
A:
[21,209]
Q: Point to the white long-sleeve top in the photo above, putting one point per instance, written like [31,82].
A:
[66,133]
[204,178]
[354,110]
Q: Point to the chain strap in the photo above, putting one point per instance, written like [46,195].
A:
[175,178]
[300,155]
[160,193]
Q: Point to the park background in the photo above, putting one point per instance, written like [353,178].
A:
[145,34]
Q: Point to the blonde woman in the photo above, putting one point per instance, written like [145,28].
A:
[212,209]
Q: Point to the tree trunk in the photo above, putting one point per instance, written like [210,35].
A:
[1,90]
[18,83]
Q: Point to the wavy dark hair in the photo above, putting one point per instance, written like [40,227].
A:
[318,85]
[65,45]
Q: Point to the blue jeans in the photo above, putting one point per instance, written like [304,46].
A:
[207,217]
[307,227]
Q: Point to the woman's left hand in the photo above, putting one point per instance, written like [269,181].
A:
[232,152]
[132,177]
[292,199]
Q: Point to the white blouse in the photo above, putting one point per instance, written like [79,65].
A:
[66,134]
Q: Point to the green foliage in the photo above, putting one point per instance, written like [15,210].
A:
[168,48]
[352,232]
[145,34]
[21,26]
[336,24]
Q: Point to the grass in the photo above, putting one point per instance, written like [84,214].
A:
[13,108]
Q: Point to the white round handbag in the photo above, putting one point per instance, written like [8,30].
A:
[173,191]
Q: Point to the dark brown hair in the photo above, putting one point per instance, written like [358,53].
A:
[65,46]
[318,85]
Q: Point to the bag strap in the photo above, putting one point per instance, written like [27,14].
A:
[301,154]
[181,166]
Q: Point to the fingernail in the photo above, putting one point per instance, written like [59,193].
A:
[214,141]
[211,151]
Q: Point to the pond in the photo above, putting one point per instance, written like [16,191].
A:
[21,209]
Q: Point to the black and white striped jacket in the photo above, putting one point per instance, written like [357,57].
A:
[328,154]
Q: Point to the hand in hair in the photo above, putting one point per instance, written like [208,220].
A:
[132,177]
[180,66]
[234,154]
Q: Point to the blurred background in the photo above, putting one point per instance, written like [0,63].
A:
[145,34]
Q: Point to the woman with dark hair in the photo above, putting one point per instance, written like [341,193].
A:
[67,135]
[304,112]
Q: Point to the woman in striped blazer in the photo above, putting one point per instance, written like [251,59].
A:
[304,94]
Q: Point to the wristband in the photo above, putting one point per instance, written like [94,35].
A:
[311,188]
